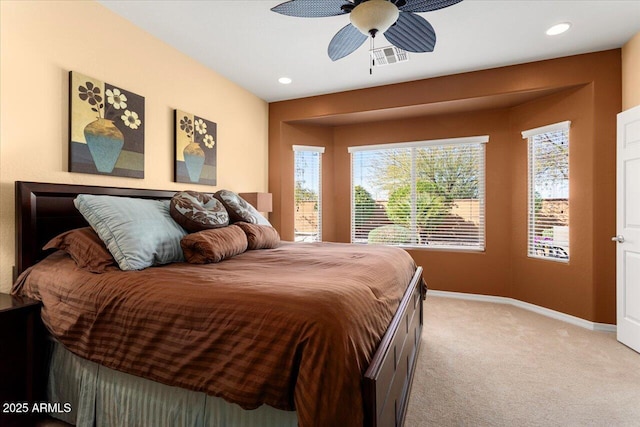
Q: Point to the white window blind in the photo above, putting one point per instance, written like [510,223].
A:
[308,193]
[548,234]
[428,194]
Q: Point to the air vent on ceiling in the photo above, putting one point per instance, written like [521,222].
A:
[388,55]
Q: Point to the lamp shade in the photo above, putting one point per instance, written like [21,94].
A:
[373,16]
[261,201]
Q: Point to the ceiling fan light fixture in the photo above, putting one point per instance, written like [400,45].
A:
[374,16]
[397,19]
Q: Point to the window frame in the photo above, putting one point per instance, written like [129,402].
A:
[528,135]
[320,151]
[481,140]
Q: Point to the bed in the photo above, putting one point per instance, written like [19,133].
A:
[382,375]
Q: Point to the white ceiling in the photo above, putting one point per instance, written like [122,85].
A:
[250,45]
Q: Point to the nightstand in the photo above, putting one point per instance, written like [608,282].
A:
[22,354]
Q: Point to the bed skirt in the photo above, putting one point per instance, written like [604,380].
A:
[103,397]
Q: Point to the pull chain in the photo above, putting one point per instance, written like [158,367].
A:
[372,61]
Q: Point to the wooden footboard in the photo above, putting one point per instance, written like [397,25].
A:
[387,382]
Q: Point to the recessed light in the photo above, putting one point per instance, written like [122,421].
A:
[285,80]
[558,29]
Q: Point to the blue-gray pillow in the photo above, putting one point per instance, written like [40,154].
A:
[139,233]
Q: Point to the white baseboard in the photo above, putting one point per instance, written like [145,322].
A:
[601,327]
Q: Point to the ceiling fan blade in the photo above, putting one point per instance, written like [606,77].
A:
[412,33]
[426,5]
[312,8]
[348,39]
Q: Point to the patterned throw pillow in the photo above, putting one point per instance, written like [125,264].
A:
[196,211]
[239,209]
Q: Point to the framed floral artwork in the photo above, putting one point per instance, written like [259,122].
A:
[106,128]
[196,149]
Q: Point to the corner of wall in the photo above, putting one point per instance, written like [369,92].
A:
[631,73]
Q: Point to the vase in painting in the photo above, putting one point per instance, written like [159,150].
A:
[105,143]
[194,160]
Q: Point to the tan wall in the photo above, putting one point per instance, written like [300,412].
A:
[585,89]
[42,41]
[631,73]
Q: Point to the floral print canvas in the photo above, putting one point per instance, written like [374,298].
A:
[106,128]
[196,148]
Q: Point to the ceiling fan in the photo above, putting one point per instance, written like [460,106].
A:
[395,18]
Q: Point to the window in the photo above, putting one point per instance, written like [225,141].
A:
[308,193]
[427,194]
[548,235]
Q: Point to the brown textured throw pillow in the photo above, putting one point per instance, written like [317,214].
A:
[196,211]
[85,247]
[213,245]
[260,236]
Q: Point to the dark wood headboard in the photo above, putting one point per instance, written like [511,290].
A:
[45,210]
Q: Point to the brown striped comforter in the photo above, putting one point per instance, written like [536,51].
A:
[293,327]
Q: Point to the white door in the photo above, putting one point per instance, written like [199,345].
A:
[628,228]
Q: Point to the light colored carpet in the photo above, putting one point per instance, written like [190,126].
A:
[488,364]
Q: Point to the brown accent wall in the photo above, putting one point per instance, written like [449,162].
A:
[487,264]
[501,103]
[542,282]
